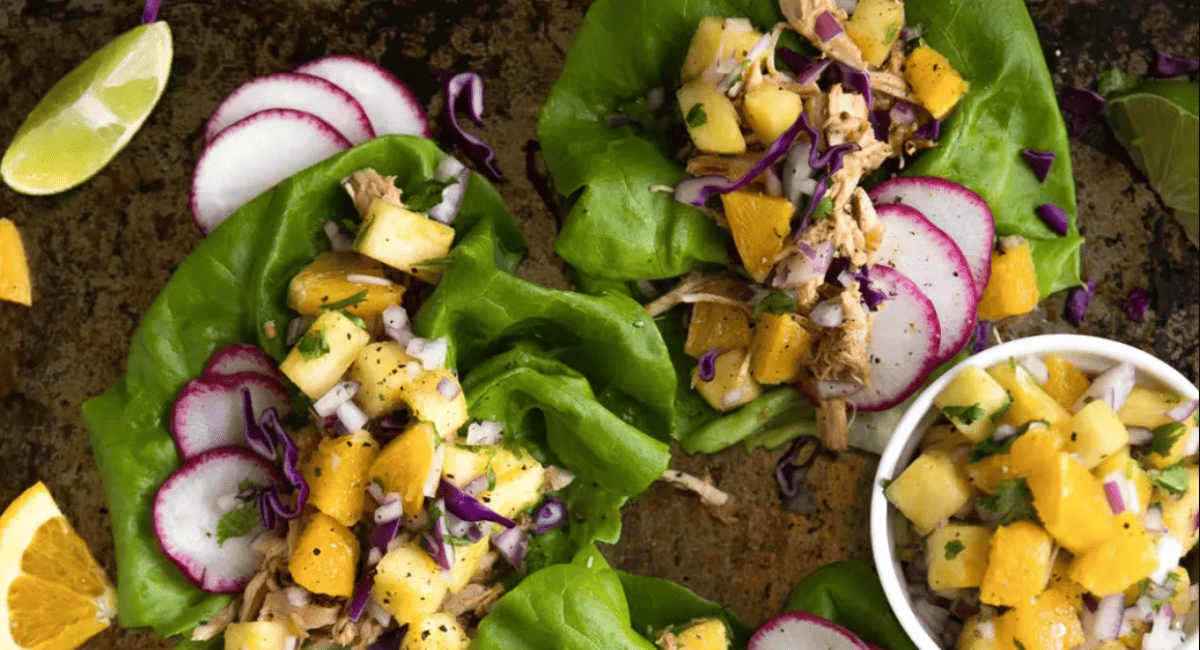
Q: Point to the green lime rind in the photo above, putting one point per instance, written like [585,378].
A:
[90,114]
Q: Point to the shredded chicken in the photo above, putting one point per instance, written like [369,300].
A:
[215,625]
[731,167]
[365,185]
[359,634]
[891,83]
[802,14]
[714,499]
[475,599]
[831,422]
[557,478]
[667,641]
[847,118]
[696,288]
[841,354]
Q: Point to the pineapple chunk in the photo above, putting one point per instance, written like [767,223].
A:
[256,635]
[874,28]
[731,386]
[519,480]
[1048,622]
[759,225]
[1030,401]
[1096,434]
[974,636]
[938,87]
[1181,432]
[1012,289]
[1179,512]
[384,371]
[14,267]
[717,326]
[973,401]
[957,556]
[466,562]
[325,558]
[771,110]
[404,240]
[1120,560]
[409,585]
[704,634]
[337,475]
[325,282]
[1029,453]
[779,344]
[404,465]
[1065,383]
[1131,470]
[439,631]
[1071,503]
[717,38]
[429,404]
[464,464]
[1147,408]
[1018,564]
[324,353]
[944,438]
[1061,582]
[712,121]
[929,491]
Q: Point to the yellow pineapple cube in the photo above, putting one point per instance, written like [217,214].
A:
[384,372]
[716,326]
[409,585]
[337,475]
[405,463]
[1047,622]
[328,280]
[325,557]
[466,562]
[1179,511]
[704,634]
[14,267]
[1030,401]
[256,635]
[440,631]
[732,384]
[957,556]
[1120,560]
[519,480]
[1096,433]
[712,121]
[973,401]
[1072,504]
[1065,383]
[779,344]
[759,225]
[929,491]
[464,464]
[770,110]
[404,240]
[874,28]
[427,396]
[324,353]
[1061,581]
[1018,564]
[1123,465]
[717,38]
[1147,408]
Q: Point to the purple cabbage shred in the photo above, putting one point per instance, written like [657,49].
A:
[983,332]
[150,12]
[550,515]
[1084,106]
[854,79]
[929,130]
[708,365]
[881,123]
[1054,217]
[827,27]
[1040,162]
[467,508]
[806,69]
[1171,65]
[1136,304]
[267,437]
[1078,301]
[469,86]
[791,473]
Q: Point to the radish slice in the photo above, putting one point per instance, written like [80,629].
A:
[251,156]
[921,251]
[208,412]
[186,514]
[905,339]
[956,210]
[803,631]
[390,105]
[301,92]
[242,357]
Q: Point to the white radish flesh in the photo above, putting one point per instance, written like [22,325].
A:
[185,517]
[803,631]
[390,105]
[253,155]
[301,92]
[956,210]
[921,251]
[242,357]
[904,344]
[209,412]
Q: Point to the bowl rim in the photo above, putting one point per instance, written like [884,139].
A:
[882,544]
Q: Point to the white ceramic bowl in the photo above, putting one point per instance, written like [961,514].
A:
[1090,354]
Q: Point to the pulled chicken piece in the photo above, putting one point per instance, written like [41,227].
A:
[831,422]
[475,599]
[365,185]
[217,624]
[802,15]
[714,500]
[294,606]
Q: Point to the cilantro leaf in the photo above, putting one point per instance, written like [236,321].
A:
[967,415]
[237,523]
[953,548]
[776,302]
[823,209]
[347,302]
[313,345]
[426,195]
[696,116]
[989,447]
[1012,501]
[1165,437]
[1173,479]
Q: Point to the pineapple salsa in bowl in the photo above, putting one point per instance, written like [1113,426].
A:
[1042,496]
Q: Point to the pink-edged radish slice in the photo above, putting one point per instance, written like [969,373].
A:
[301,92]
[905,339]
[390,105]
[190,504]
[803,631]
[237,358]
[927,256]
[956,210]
[253,155]
[208,412]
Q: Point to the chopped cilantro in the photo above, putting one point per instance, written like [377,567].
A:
[953,548]
[696,116]
[246,484]
[313,345]
[1165,437]
[426,195]
[1012,501]
[491,476]
[1173,479]
[237,523]
[989,447]
[349,224]
[1020,646]
[347,302]
[886,483]
[354,319]
[823,209]
[776,302]
[435,513]
[967,415]
[459,541]
[1004,409]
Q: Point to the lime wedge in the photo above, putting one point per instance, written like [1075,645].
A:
[1158,124]
[90,114]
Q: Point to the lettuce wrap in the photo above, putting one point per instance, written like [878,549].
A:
[536,360]
[618,231]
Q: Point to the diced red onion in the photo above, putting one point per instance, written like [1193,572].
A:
[1136,304]
[452,195]
[1085,106]
[373,280]
[1040,162]
[1183,411]
[351,416]
[1161,635]
[708,365]
[296,328]
[697,191]
[484,432]
[962,609]
[1169,552]
[903,112]
[341,393]
[448,388]
[150,11]
[550,515]
[856,80]
[378,613]
[1171,65]
[391,510]
[1004,432]
[1036,368]
[848,5]
[812,263]
[1054,217]
[1140,436]
[983,334]
[1104,623]
[1192,445]
[477,486]
[437,542]
[774,185]
[458,527]
[929,130]
[827,313]
[827,27]
[1113,386]
[469,84]
[339,241]
[1114,493]
[431,353]
[466,507]
[1153,520]
[381,538]
[933,617]
[513,545]
[807,70]
[1078,302]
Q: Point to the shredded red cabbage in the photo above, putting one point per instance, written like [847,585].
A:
[872,297]
[818,194]
[929,130]
[806,69]
[1084,106]
[1054,217]
[854,79]
[697,191]
[791,473]
[469,86]
[708,365]
[983,332]
[1136,304]
[827,27]
[381,536]
[266,437]
[1040,162]
[1171,65]
[437,542]
[550,515]
[1078,301]
[466,507]
[150,12]
[881,123]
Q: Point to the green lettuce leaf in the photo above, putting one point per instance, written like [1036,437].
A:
[656,604]
[849,593]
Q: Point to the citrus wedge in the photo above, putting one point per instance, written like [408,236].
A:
[55,595]
[90,114]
